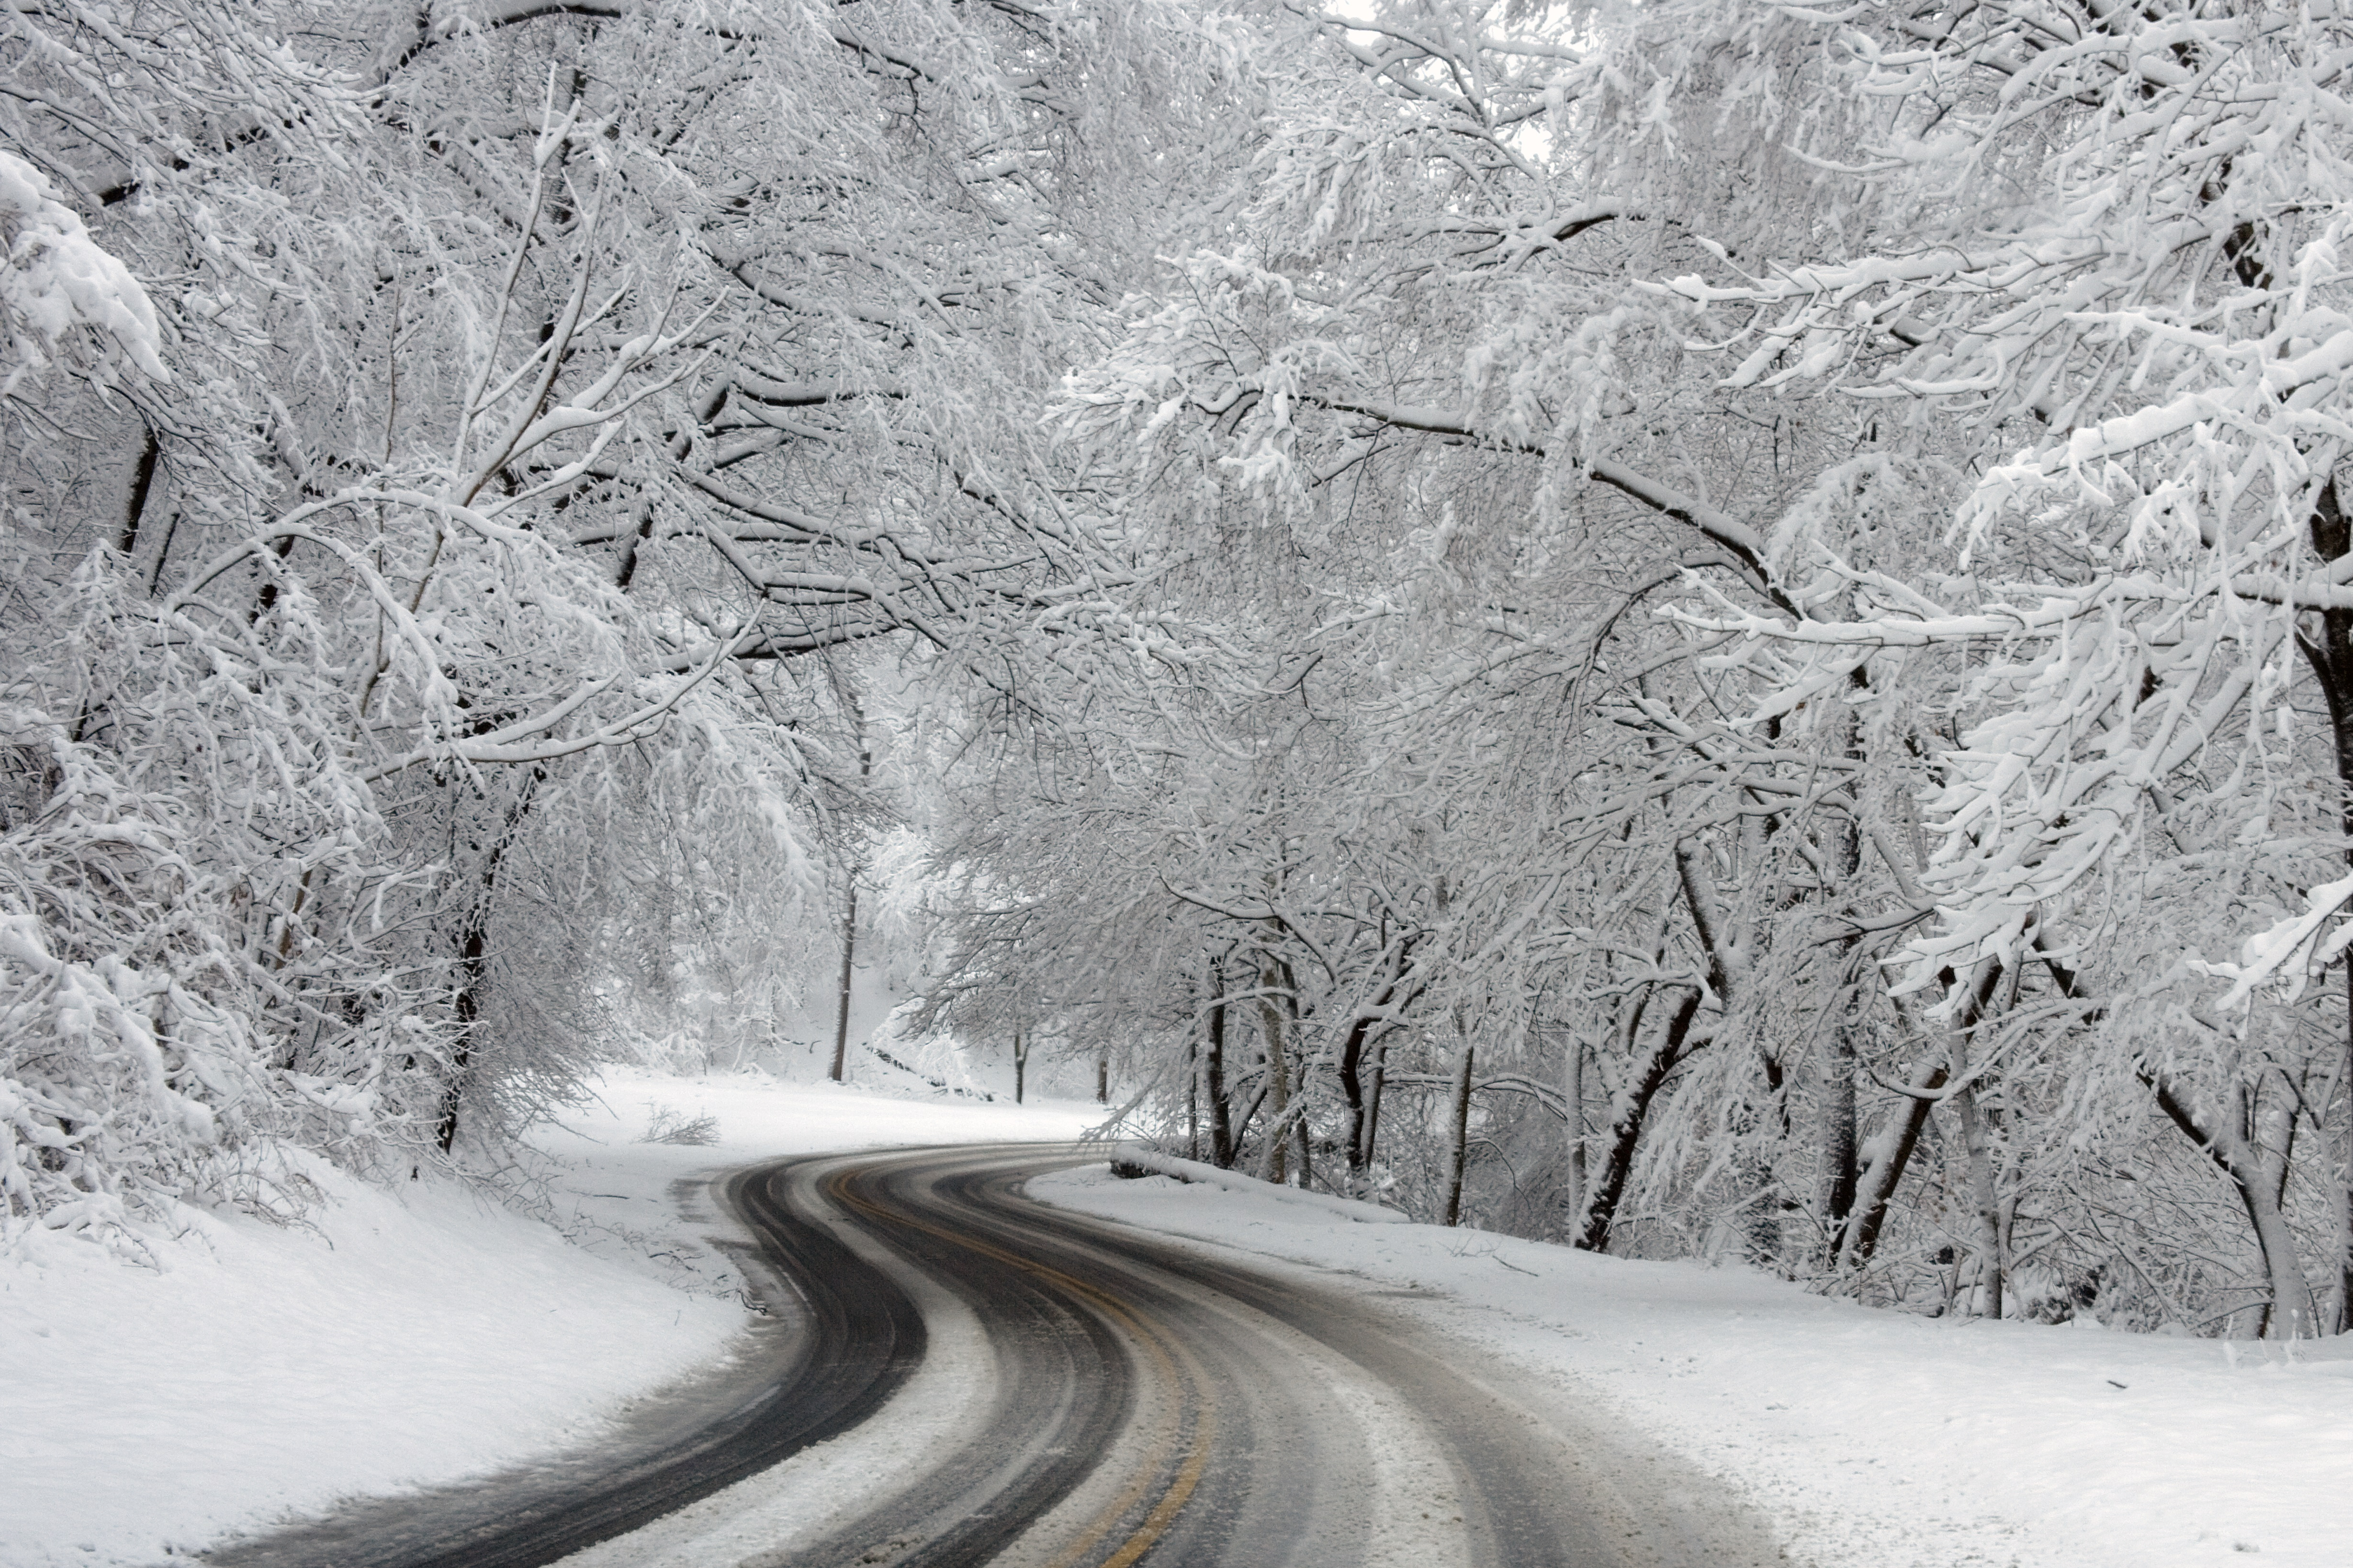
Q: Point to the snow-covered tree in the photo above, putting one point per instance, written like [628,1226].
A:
[1971,378]
[482,406]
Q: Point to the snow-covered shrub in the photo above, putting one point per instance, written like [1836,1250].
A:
[128,1059]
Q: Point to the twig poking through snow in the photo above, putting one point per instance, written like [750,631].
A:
[670,1125]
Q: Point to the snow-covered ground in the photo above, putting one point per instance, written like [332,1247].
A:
[402,1337]
[1870,1439]
[421,1334]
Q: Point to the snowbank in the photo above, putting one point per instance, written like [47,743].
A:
[410,1335]
[1194,1170]
[1872,1439]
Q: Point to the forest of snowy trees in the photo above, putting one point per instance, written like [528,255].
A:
[1699,629]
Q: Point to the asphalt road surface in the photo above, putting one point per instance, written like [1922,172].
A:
[953,1375]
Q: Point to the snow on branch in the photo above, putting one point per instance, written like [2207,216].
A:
[57,285]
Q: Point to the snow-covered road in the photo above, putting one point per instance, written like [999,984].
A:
[438,1339]
[1128,1400]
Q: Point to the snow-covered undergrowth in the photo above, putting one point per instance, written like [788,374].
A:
[403,1336]
[1870,1439]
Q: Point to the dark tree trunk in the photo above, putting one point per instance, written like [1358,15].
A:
[1875,1189]
[2289,1314]
[1457,1153]
[1213,1067]
[1625,1130]
[1352,1096]
[1192,1099]
[143,481]
[1272,1163]
[473,948]
[850,918]
[1368,1028]
[1841,1175]
[2330,657]
[2341,1198]
[1572,1095]
[841,1008]
[473,960]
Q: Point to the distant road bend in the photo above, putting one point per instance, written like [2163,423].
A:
[1079,1395]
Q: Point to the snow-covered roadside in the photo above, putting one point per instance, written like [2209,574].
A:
[404,1337]
[1870,1439]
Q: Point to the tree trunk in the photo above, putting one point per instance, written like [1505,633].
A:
[1460,1149]
[1249,1113]
[1984,1209]
[1352,1099]
[1572,1096]
[2290,1315]
[473,948]
[1875,1189]
[1272,1164]
[1192,1099]
[473,960]
[849,951]
[1373,1101]
[1286,1144]
[1367,1029]
[1626,1127]
[143,481]
[849,921]
[1221,1128]
[1102,1080]
[1841,1174]
[2331,660]
[1020,1062]
[2339,1316]
[1838,1174]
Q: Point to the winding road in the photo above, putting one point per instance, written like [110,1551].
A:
[952,1375]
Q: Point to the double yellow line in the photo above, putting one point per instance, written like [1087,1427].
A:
[1169,1357]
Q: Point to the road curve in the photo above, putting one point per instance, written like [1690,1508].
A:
[1097,1398]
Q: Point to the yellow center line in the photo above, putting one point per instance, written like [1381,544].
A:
[1156,1522]
[1188,1474]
